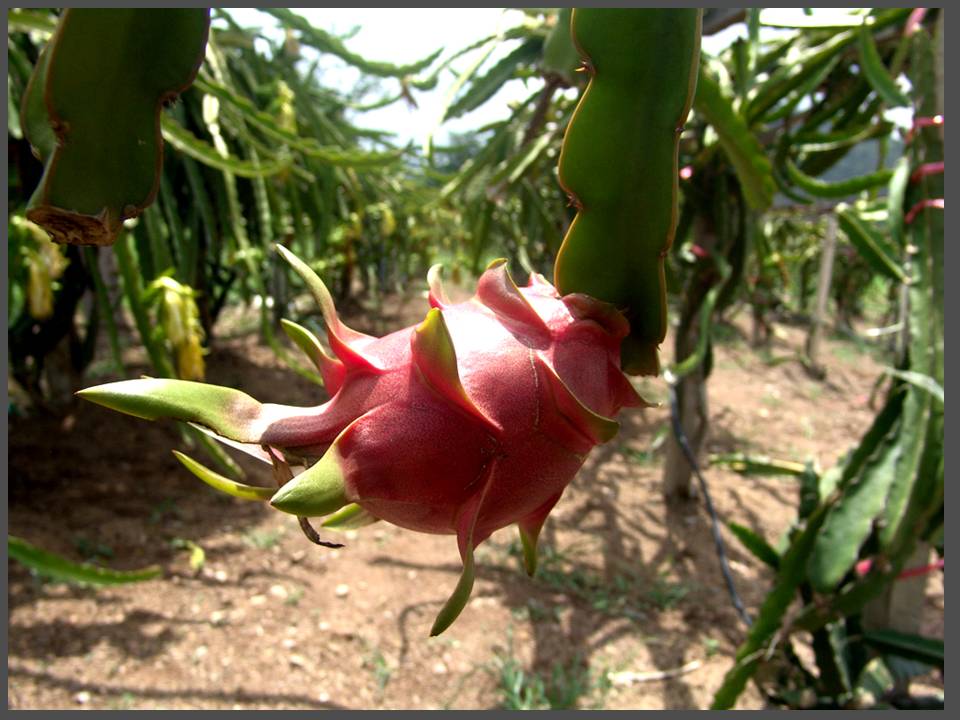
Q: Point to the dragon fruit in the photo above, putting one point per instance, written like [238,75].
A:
[477,418]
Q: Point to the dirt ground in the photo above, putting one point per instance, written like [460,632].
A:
[272,621]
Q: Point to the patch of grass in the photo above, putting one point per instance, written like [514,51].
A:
[537,612]
[723,333]
[162,509]
[851,348]
[262,539]
[666,594]
[710,646]
[294,598]
[558,571]
[91,550]
[846,351]
[378,665]
[100,369]
[771,400]
[641,457]
[124,702]
[568,686]
[815,390]
[649,455]
[198,557]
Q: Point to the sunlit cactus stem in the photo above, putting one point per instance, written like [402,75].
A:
[92,114]
[619,164]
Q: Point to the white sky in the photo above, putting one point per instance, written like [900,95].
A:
[404,35]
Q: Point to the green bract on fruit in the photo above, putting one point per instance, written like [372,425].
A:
[477,418]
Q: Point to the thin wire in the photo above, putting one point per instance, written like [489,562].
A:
[714,521]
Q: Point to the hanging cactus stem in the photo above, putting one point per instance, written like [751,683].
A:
[104,166]
[619,164]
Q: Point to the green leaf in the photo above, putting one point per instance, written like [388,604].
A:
[789,76]
[693,360]
[806,88]
[452,91]
[875,678]
[349,157]
[828,646]
[484,87]
[317,491]
[839,189]
[760,548]
[850,520]
[876,73]
[310,345]
[213,449]
[870,247]
[924,382]
[771,614]
[23,20]
[738,142]
[814,488]
[325,42]
[518,165]
[224,484]
[915,647]
[757,464]
[59,568]
[815,142]
[197,555]
[192,146]
[458,599]
[895,198]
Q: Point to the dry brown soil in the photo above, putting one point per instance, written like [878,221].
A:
[271,621]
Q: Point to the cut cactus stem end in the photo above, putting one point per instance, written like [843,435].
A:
[472,420]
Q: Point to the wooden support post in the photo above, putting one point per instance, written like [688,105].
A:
[900,606]
[823,296]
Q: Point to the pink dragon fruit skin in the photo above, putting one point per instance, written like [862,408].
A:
[475,419]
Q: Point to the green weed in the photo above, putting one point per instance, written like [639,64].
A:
[378,665]
[666,594]
[294,598]
[262,539]
[92,550]
[569,685]
[162,509]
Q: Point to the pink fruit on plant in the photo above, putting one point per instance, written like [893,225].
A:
[477,418]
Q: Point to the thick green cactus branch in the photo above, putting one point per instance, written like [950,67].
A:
[619,164]
[99,92]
